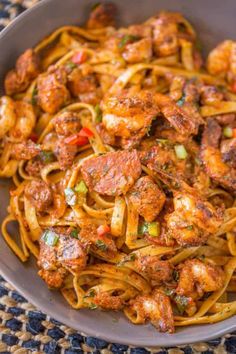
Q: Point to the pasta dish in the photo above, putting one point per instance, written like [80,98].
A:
[121,144]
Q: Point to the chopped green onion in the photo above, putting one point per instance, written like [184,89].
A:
[71,196]
[34,96]
[128,38]
[98,113]
[143,228]
[181,302]
[154,229]
[47,156]
[181,152]
[74,233]
[228,132]
[81,188]
[50,238]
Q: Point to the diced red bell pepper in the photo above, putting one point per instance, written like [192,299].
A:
[86,132]
[79,57]
[34,137]
[76,139]
[103,229]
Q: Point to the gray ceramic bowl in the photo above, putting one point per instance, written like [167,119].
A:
[214,21]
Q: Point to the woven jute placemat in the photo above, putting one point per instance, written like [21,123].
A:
[25,329]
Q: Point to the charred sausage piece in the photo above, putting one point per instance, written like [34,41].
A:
[113,173]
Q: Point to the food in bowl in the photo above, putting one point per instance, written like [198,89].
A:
[121,146]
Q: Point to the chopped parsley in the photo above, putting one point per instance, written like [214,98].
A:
[93,306]
[47,156]
[130,258]
[91,293]
[189,227]
[34,96]
[101,245]
[181,302]
[70,65]
[128,38]
[74,233]
[175,275]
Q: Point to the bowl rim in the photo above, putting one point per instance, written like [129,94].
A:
[227,326]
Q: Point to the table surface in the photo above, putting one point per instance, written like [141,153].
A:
[25,329]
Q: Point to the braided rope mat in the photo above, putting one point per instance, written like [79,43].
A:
[24,329]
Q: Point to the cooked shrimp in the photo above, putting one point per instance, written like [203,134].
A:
[222,61]
[108,301]
[185,120]
[168,28]
[193,220]
[222,58]
[212,159]
[127,114]
[155,307]
[25,121]
[154,268]
[197,277]
[7,115]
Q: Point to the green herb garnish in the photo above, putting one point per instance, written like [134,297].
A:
[47,156]
[74,233]
[91,293]
[98,113]
[189,227]
[101,245]
[175,275]
[50,238]
[93,306]
[128,38]
[70,65]
[170,292]
[130,258]
[34,96]
[181,302]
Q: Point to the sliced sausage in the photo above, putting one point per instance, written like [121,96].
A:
[113,173]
